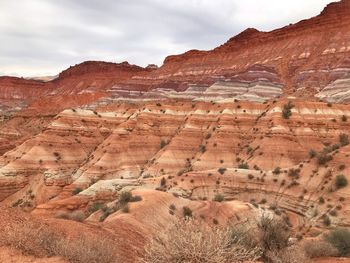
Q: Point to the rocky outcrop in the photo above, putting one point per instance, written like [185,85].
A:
[302,59]
[199,148]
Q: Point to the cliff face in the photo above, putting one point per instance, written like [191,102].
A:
[308,55]
[308,59]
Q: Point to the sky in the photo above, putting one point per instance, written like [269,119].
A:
[43,37]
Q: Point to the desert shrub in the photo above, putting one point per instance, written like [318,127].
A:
[291,254]
[319,248]
[243,166]
[125,197]
[294,173]
[162,182]
[246,235]
[333,212]
[249,149]
[219,198]
[321,200]
[162,144]
[340,239]
[343,139]
[40,241]
[188,242]
[344,118]
[187,212]
[57,156]
[125,208]
[172,207]
[274,234]
[202,148]
[77,190]
[341,167]
[136,198]
[323,158]
[287,110]
[312,153]
[277,170]
[77,215]
[326,220]
[341,181]
[222,170]
[263,201]
[94,207]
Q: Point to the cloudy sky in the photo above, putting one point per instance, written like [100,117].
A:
[43,37]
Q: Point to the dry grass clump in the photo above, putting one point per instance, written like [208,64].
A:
[77,215]
[291,254]
[40,241]
[319,248]
[187,241]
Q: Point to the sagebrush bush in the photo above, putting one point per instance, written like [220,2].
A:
[343,139]
[187,212]
[319,248]
[340,239]
[222,170]
[77,215]
[77,190]
[274,233]
[291,254]
[41,241]
[243,166]
[312,153]
[287,110]
[219,198]
[341,181]
[190,242]
[277,170]
[162,144]
[323,158]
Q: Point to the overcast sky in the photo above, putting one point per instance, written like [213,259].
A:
[43,37]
